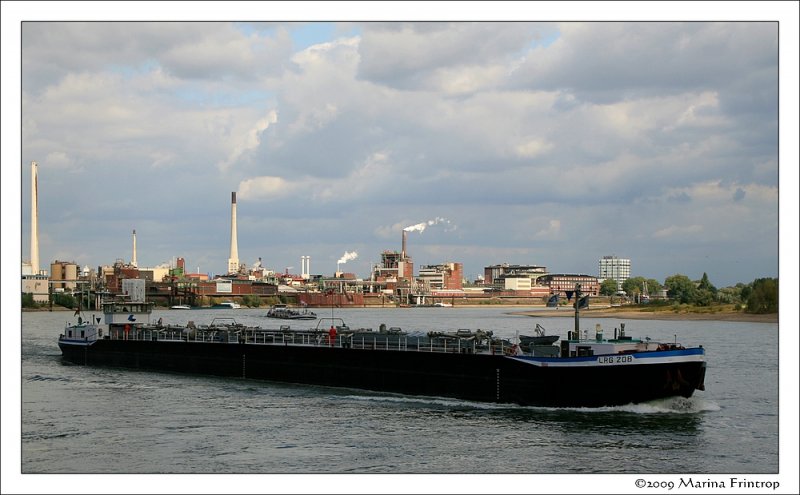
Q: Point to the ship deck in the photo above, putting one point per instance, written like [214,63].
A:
[350,339]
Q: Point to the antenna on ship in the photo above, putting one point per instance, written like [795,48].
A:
[577,311]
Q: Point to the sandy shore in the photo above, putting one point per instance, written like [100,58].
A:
[653,315]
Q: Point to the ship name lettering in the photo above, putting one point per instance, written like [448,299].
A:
[614,359]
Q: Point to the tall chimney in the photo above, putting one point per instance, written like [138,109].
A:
[233,261]
[34,218]
[133,260]
[403,252]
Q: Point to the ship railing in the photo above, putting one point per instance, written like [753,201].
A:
[361,342]
[316,339]
[406,344]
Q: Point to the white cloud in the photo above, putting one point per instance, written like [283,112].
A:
[637,130]
[250,139]
[266,188]
[678,230]
[369,176]
[533,147]
[552,231]
[58,159]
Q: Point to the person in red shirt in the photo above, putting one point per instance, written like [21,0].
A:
[332,335]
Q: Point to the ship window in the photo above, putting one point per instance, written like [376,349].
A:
[82,332]
[70,333]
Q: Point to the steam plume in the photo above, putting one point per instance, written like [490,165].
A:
[421,226]
[347,256]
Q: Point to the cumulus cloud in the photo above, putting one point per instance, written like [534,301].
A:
[270,188]
[532,137]
[552,230]
[440,56]
[242,142]
[677,230]
[367,179]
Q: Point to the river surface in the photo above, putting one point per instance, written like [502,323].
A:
[97,420]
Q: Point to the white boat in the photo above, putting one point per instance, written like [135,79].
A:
[227,305]
[180,306]
[285,313]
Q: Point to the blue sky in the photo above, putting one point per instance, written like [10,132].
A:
[552,143]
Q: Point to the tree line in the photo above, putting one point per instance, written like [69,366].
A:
[759,296]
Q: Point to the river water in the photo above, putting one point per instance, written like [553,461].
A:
[96,421]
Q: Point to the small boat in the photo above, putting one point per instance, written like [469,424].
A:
[442,305]
[227,305]
[283,312]
[530,343]
[180,306]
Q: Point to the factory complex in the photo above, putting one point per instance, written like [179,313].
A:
[392,281]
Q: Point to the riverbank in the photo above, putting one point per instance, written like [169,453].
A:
[648,314]
[716,313]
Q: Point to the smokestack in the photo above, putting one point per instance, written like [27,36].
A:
[34,218]
[233,261]
[133,260]
[403,252]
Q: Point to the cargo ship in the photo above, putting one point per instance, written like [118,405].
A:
[464,364]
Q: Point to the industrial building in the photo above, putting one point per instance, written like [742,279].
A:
[392,281]
[63,275]
[445,276]
[496,275]
[562,283]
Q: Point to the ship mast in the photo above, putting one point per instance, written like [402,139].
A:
[577,311]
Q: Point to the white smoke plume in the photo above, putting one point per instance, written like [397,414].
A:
[347,256]
[421,226]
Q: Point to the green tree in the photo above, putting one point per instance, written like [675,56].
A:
[705,284]
[28,301]
[251,301]
[65,300]
[730,295]
[633,286]
[680,288]
[706,293]
[763,298]
[608,287]
[653,286]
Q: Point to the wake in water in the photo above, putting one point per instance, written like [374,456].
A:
[428,401]
[672,405]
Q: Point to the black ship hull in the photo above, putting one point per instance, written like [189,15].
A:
[477,377]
